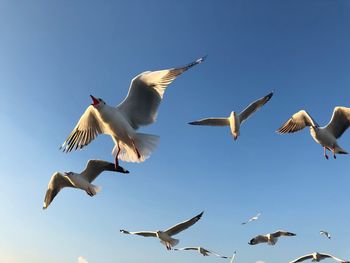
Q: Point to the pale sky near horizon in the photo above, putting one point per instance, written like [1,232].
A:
[54,54]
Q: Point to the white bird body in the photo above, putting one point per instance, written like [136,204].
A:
[271,238]
[81,180]
[166,236]
[235,120]
[325,136]
[317,257]
[139,108]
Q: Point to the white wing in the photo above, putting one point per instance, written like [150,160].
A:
[186,248]
[140,233]
[212,122]
[331,256]
[146,92]
[339,122]
[86,130]
[253,107]
[233,257]
[216,254]
[299,121]
[183,225]
[95,167]
[57,182]
[306,257]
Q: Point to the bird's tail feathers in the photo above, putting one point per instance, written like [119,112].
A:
[173,242]
[144,144]
[339,150]
[94,189]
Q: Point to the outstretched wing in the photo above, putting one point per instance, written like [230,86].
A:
[146,92]
[253,107]
[280,233]
[299,121]
[339,122]
[331,256]
[212,122]
[57,182]
[86,130]
[140,233]
[306,257]
[258,239]
[95,167]
[186,248]
[216,254]
[183,225]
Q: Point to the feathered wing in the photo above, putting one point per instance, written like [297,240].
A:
[140,233]
[331,256]
[233,257]
[259,239]
[253,107]
[339,122]
[86,130]
[299,121]
[280,233]
[306,257]
[95,167]
[186,248]
[216,254]
[146,92]
[183,225]
[57,182]
[212,122]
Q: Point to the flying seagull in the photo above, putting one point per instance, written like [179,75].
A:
[235,120]
[326,136]
[270,239]
[139,108]
[201,250]
[79,180]
[326,234]
[166,236]
[252,219]
[317,257]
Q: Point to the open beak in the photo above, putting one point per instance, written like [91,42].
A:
[94,100]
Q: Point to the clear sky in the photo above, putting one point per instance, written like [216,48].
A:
[53,54]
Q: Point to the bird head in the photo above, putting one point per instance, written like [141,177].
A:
[97,102]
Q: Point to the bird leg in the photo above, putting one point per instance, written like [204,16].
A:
[333,151]
[325,152]
[116,162]
[137,151]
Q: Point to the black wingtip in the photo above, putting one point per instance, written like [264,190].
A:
[191,123]
[200,215]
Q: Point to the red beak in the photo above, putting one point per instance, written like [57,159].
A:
[94,100]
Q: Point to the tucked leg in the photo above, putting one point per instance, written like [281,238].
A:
[136,150]
[333,151]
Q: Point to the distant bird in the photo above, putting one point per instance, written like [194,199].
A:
[252,219]
[166,236]
[326,234]
[233,256]
[201,250]
[139,108]
[79,180]
[235,120]
[326,136]
[317,257]
[270,239]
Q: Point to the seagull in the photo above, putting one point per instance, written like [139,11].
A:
[166,236]
[79,180]
[235,120]
[326,136]
[139,108]
[317,257]
[270,239]
[201,250]
[252,219]
[326,234]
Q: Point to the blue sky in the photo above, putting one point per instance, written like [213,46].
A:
[55,53]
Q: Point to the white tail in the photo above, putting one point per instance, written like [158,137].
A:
[145,144]
[94,189]
[173,242]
